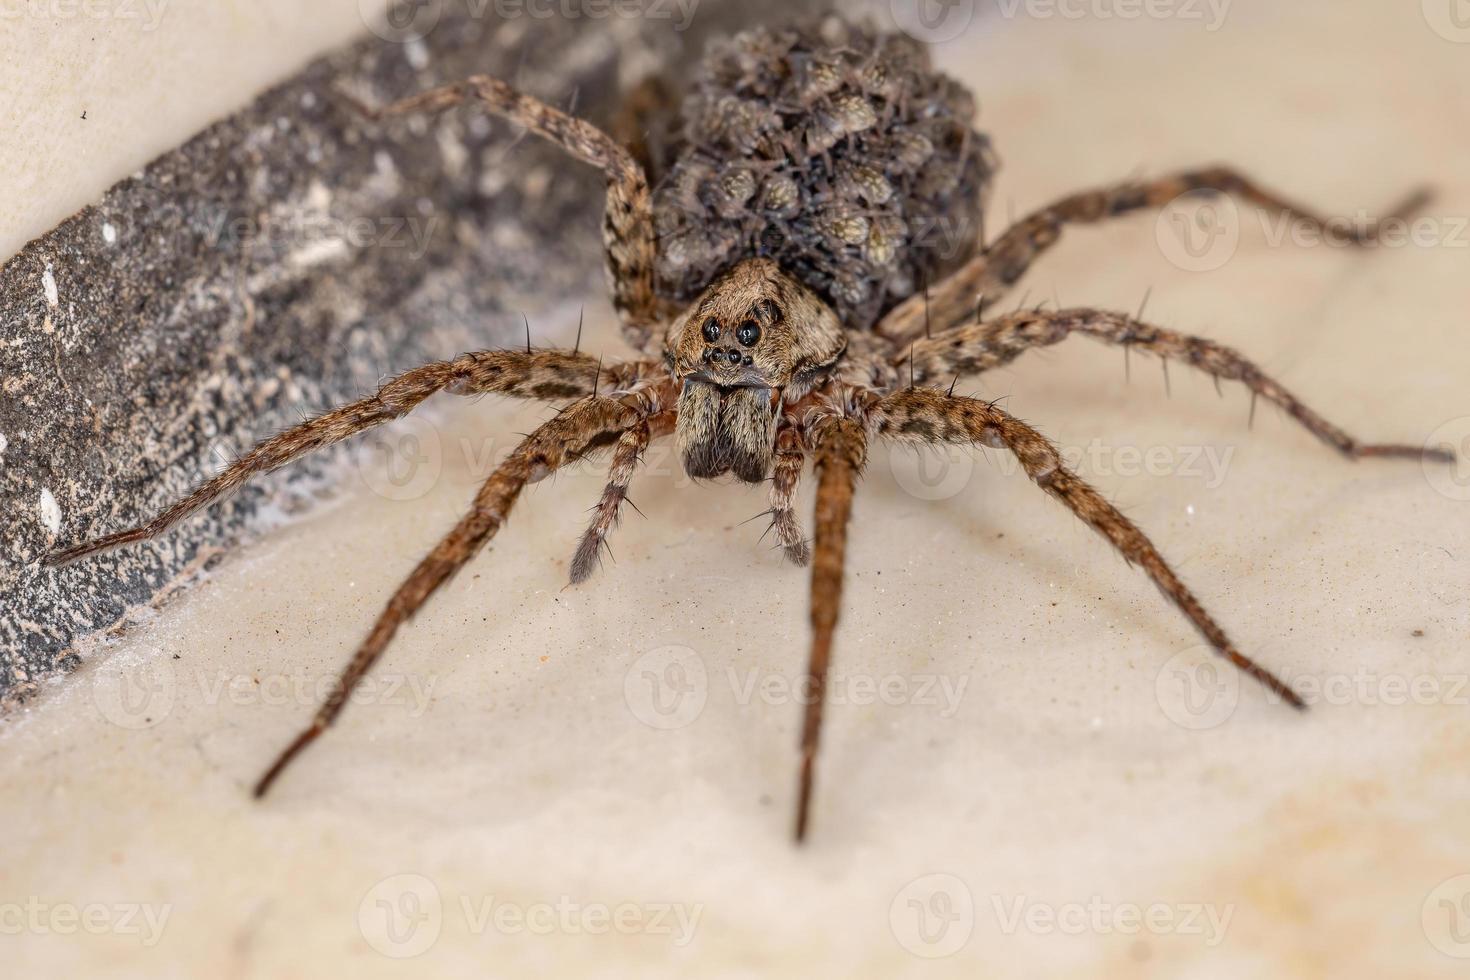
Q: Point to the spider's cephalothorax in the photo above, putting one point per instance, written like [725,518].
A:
[755,338]
[843,137]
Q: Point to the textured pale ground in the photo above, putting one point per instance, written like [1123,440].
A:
[90,91]
[527,776]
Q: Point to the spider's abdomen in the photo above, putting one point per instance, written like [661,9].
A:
[833,149]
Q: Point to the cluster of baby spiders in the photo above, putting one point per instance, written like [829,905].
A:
[756,376]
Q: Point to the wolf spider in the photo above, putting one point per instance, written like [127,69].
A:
[757,376]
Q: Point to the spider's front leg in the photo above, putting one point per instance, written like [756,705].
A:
[983,346]
[587,425]
[785,478]
[548,375]
[928,416]
[990,275]
[627,229]
[627,456]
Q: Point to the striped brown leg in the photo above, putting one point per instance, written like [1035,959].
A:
[983,346]
[584,426]
[840,449]
[551,375]
[785,477]
[626,456]
[926,416]
[627,229]
[988,276]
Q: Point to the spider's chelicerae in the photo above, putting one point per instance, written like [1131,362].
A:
[774,289]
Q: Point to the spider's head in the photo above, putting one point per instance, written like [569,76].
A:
[754,336]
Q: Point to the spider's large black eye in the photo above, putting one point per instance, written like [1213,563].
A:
[711,331]
[749,333]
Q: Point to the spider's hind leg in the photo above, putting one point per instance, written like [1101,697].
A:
[990,275]
[983,346]
[627,229]
[925,415]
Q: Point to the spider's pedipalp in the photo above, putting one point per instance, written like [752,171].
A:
[627,226]
[924,415]
[984,346]
[627,455]
[994,271]
[840,449]
[545,450]
[550,375]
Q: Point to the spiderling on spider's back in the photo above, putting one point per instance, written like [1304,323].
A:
[771,288]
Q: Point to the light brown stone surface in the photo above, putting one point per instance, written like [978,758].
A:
[512,764]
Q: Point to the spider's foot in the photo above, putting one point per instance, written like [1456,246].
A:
[587,558]
[1427,454]
[799,553]
[60,559]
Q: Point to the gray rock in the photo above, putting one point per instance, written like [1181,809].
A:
[279,263]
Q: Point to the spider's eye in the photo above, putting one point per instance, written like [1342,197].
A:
[711,331]
[749,333]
